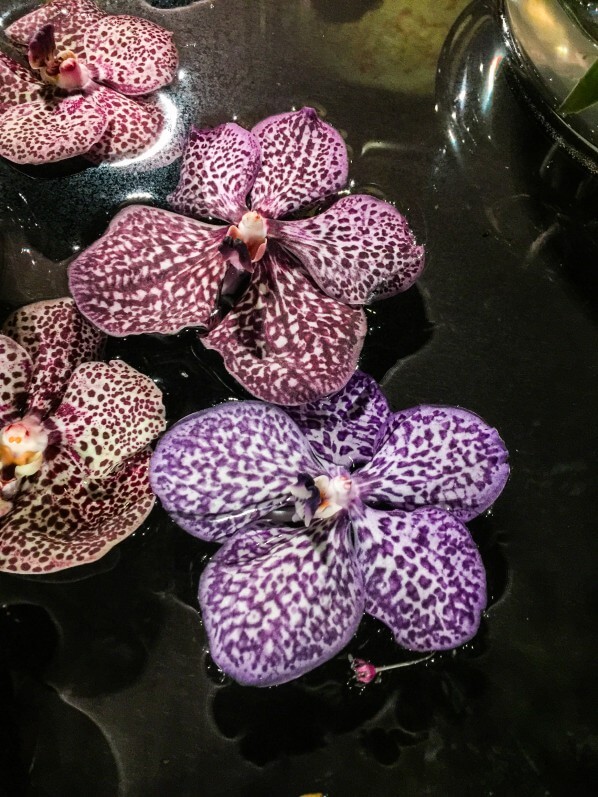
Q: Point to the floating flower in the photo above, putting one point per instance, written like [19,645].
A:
[326,511]
[74,438]
[82,93]
[365,672]
[295,329]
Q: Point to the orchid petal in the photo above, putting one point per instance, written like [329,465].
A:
[276,603]
[303,160]
[17,84]
[109,412]
[219,167]
[343,428]
[66,520]
[133,127]
[437,456]
[57,339]
[52,130]
[15,373]
[152,271]
[219,470]
[423,576]
[70,18]
[133,55]
[359,250]
[285,342]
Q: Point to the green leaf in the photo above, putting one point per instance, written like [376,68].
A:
[584,93]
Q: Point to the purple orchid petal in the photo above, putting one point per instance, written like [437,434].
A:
[221,469]
[53,130]
[219,167]
[15,373]
[437,456]
[423,576]
[65,520]
[132,54]
[359,250]
[17,84]
[152,271]
[303,160]
[343,428]
[133,127]
[109,412]
[57,339]
[70,18]
[276,603]
[285,342]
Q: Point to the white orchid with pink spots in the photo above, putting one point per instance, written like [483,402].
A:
[74,436]
[278,294]
[83,92]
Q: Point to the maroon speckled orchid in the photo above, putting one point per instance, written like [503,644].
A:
[74,437]
[82,93]
[328,510]
[295,329]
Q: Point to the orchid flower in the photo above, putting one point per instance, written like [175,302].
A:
[279,299]
[74,437]
[328,511]
[82,93]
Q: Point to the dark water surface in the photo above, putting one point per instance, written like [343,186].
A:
[106,687]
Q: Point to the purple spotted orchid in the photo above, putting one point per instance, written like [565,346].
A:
[74,437]
[83,91]
[279,298]
[327,511]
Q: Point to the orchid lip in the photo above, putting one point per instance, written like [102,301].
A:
[253,231]
[22,446]
[322,497]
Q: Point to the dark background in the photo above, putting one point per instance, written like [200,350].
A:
[106,687]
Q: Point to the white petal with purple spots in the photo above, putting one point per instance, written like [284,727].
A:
[437,456]
[278,602]
[151,271]
[219,167]
[222,462]
[423,576]
[342,428]
[15,373]
[303,160]
[359,250]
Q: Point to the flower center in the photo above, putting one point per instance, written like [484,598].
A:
[22,446]
[321,497]
[58,68]
[252,230]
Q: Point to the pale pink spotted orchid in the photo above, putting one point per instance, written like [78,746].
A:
[74,437]
[83,93]
[327,511]
[278,297]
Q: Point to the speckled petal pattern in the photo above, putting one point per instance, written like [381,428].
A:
[45,131]
[219,167]
[70,18]
[133,55]
[15,373]
[109,412]
[423,576]
[276,603]
[152,271]
[437,456]
[230,465]
[57,339]
[342,428]
[359,250]
[303,160]
[133,127]
[65,520]
[285,341]
[17,84]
